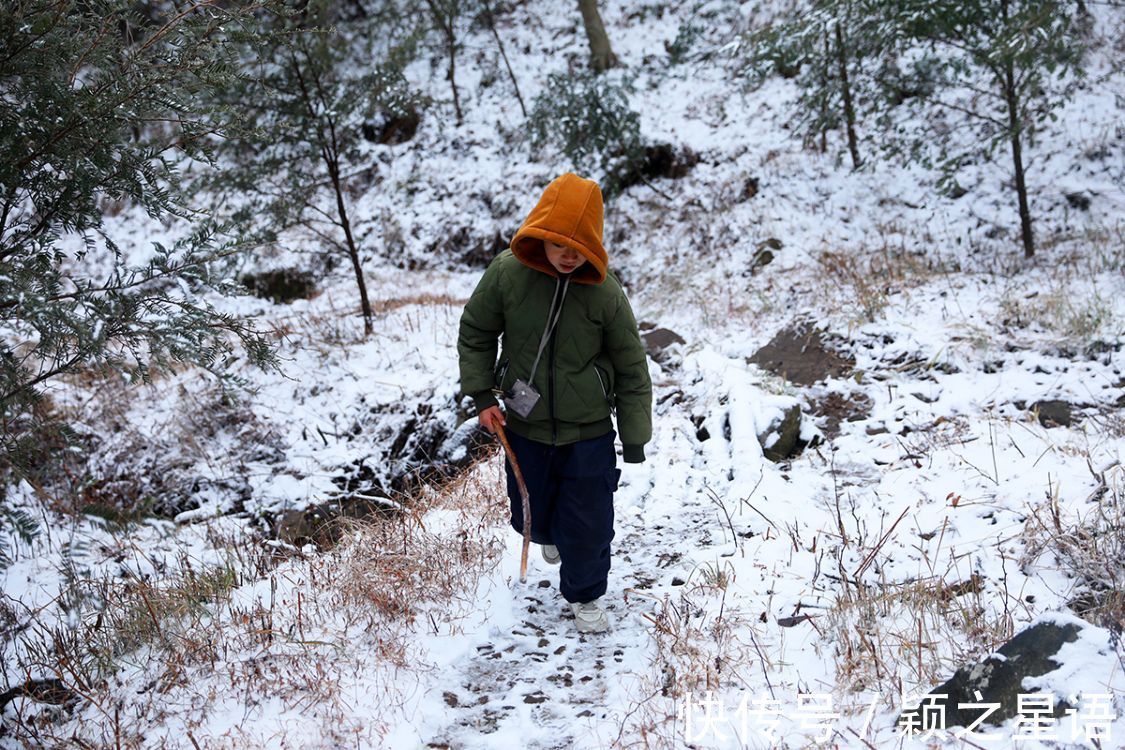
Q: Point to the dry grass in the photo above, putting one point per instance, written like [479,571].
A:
[890,637]
[1087,543]
[336,320]
[300,630]
[1075,317]
[865,279]
[697,646]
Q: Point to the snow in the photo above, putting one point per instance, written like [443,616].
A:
[715,546]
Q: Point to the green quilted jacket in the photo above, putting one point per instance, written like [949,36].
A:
[594,363]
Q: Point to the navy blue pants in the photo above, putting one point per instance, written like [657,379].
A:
[571,488]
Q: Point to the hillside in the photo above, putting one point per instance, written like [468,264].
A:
[958,473]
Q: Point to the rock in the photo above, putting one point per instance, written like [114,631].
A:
[839,407]
[320,524]
[750,188]
[1081,201]
[1053,413]
[392,128]
[801,355]
[999,678]
[782,439]
[282,285]
[762,258]
[660,160]
[52,690]
[658,340]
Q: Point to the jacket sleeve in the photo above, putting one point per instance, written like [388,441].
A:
[632,387]
[482,322]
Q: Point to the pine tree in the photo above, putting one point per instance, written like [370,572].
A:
[309,92]
[1017,47]
[98,109]
[587,117]
[836,50]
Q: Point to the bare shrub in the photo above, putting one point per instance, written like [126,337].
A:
[866,278]
[1087,544]
[697,647]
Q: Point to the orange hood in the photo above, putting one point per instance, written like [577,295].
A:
[569,213]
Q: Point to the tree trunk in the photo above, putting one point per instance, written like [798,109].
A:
[500,43]
[331,159]
[453,77]
[601,54]
[1015,127]
[445,16]
[824,88]
[849,110]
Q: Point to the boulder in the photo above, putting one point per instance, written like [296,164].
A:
[836,408]
[657,341]
[324,524]
[392,128]
[281,285]
[764,254]
[783,437]
[1053,413]
[999,678]
[1080,201]
[659,160]
[801,354]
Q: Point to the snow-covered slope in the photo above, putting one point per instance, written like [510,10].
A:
[937,518]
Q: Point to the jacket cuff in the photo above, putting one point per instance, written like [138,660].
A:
[633,454]
[484,400]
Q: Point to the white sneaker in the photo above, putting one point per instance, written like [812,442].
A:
[589,617]
[550,553]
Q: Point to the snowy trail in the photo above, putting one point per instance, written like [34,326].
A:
[536,682]
[541,680]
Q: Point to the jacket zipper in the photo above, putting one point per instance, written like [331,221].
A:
[551,371]
[605,391]
[551,392]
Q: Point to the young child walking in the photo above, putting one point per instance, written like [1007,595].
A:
[570,355]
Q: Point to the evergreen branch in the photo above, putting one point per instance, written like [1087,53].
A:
[60,13]
[145,279]
[86,53]
[6,398]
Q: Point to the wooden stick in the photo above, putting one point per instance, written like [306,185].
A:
[523,495]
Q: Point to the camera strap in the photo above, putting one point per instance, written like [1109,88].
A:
[553,316]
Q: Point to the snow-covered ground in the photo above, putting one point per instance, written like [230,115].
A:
[752,602]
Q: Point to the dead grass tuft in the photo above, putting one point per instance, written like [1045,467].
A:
[697,647]
[1086,542]
[866,279]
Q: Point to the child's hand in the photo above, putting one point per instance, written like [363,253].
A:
[490,418]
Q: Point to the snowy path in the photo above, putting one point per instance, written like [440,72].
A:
[541,681]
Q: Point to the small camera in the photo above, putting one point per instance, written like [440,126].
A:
[522,398]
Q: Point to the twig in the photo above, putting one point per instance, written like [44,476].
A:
[871,556]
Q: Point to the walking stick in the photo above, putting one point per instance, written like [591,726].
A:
[523,495]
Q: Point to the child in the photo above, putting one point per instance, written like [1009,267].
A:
[570,356]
